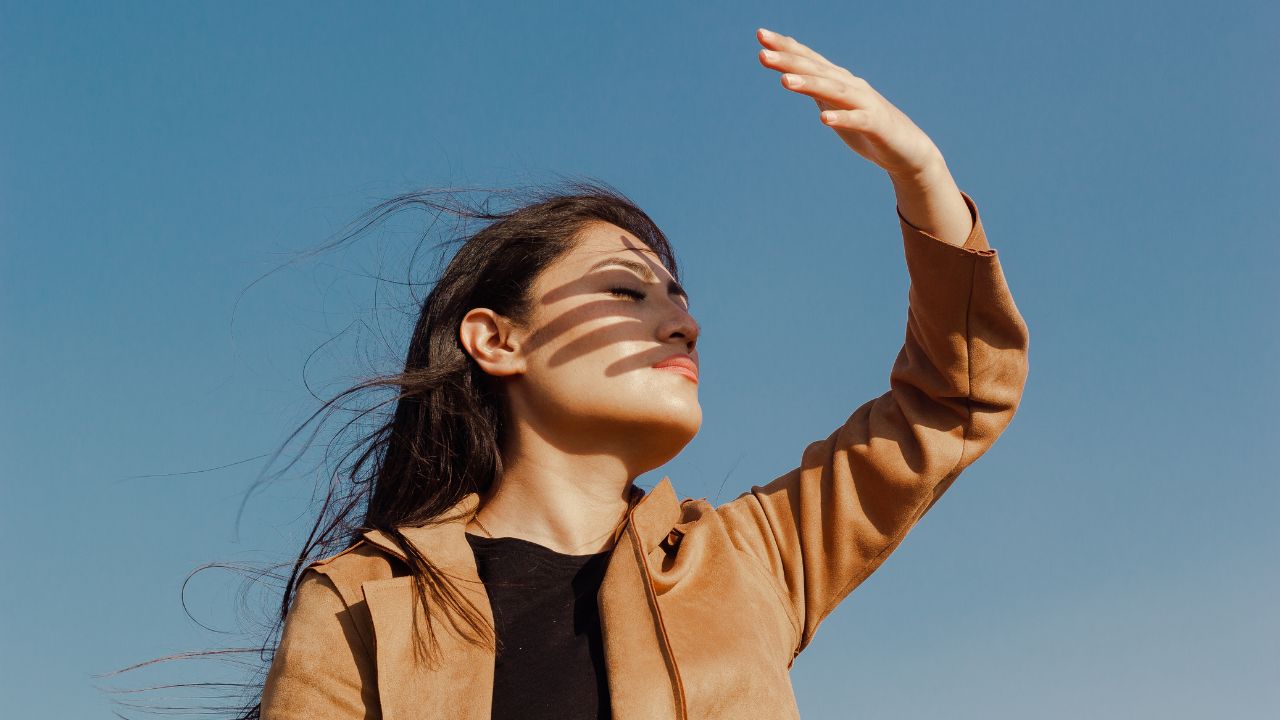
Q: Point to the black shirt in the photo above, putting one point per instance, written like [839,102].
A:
[550,661]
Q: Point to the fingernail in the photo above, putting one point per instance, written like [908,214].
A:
[766,33]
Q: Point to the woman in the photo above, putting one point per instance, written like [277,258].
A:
[508,567]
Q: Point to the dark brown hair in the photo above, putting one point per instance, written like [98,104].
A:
[442,440]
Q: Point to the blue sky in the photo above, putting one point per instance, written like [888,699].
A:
[1112,556]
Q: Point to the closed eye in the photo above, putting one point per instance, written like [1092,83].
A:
[628,292]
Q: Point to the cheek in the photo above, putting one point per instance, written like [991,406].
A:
[614,384]
[655,410]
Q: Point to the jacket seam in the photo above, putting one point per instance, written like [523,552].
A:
[773,584]
[638,548]
[829,605]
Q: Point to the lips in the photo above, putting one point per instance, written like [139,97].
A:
[682,363]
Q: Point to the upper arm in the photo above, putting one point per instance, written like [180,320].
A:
[322,669]
[821,528]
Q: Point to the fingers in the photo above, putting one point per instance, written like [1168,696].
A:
[837,93]
[808,73]
[775,41]
[787,55]
[790,62]
[847,119]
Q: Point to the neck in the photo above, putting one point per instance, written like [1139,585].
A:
[574,513]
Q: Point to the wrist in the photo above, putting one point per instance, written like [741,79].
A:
[932,173]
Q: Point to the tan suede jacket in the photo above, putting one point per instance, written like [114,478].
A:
[704,608]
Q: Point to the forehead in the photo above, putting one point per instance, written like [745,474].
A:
[601,242]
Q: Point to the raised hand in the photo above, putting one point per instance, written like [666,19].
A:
[862,117]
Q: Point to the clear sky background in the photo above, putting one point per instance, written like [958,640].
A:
[1113,556]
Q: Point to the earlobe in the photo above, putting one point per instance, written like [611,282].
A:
[490,339]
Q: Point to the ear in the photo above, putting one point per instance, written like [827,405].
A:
[493,341]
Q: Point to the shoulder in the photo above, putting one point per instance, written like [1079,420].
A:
[698,516]
[349,569]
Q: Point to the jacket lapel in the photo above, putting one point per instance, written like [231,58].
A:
[459,686]
[460,683]
[643,679]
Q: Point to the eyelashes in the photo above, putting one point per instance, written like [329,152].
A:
[628,292]
[637,296]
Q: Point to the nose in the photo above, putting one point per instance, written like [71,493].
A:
[682,325]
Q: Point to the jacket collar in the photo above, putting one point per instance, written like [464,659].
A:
[652,514]
[644,681]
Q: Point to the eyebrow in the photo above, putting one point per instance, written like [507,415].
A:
[645,272]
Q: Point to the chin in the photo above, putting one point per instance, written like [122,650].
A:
[677,426]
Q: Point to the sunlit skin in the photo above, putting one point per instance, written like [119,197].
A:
[589,413]
[873,127]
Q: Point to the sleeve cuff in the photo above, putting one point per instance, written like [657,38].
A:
[976,242]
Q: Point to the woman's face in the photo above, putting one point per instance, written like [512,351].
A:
[581,374]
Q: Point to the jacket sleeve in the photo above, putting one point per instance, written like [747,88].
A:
[321,669]
[823,527]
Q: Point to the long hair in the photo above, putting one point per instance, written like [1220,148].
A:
[443,438]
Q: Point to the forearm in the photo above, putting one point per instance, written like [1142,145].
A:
[931,200]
